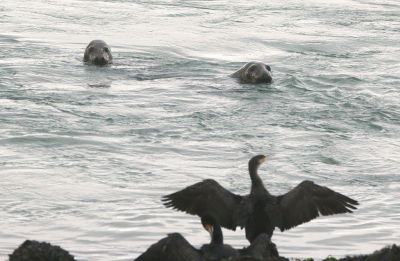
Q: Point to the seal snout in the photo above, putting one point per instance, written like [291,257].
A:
[100,60]
[266,77]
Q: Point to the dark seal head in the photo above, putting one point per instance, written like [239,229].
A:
[98,52]
[254,72]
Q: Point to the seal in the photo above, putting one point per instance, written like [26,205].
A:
[98,52]
[254,72]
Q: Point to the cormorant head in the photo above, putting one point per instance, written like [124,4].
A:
[256,161]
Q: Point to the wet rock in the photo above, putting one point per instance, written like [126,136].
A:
[385,254]
[259,259]
[32,250]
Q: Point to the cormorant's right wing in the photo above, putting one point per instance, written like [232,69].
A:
[206,196]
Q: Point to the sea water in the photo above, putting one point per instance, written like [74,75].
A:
[87,152]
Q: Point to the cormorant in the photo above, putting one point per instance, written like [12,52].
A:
[176,248]
[260,212]
[216,250]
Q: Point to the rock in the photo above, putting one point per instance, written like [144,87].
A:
[259,259]
[32,250]
[385,254]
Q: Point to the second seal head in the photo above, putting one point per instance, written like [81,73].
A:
[254,72]
[98,52]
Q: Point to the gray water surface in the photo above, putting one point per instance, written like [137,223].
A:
[86,152]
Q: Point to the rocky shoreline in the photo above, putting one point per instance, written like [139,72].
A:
[32,250]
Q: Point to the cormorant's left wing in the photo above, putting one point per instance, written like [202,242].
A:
[307,200]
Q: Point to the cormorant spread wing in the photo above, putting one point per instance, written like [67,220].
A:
[307,200]
[206,196]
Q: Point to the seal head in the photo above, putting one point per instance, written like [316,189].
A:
[98,53]
[254,72]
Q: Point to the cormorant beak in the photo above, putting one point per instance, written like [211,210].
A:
[267,157]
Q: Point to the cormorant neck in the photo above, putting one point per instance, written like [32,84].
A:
[217,237]
[257,184]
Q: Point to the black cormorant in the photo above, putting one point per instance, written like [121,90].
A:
[216,250]
[260,212]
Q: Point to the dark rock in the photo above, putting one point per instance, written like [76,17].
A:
[32,250]
[261,249]
[259,259]
[385,254]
